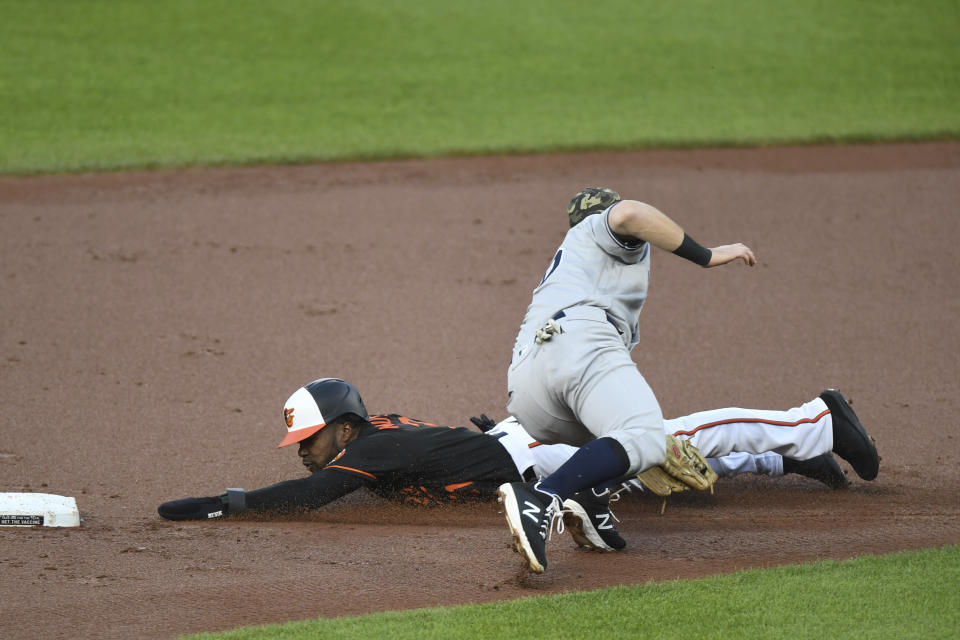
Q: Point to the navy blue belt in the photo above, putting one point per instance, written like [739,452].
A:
[561,314]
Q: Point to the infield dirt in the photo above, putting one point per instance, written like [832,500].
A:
[155,322]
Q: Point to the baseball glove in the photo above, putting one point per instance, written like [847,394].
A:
[684,468]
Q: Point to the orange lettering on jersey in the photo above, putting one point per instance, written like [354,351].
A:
[382,422]
[460,485]
[414,423]
[393,421]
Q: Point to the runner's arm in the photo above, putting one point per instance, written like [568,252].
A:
[312,492]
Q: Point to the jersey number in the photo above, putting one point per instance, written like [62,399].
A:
[553,265]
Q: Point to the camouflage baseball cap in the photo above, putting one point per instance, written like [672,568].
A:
[589,201]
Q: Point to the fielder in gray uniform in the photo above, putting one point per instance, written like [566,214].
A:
[571,379]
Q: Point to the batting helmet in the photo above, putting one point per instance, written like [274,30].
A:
[589,201]
[314,405]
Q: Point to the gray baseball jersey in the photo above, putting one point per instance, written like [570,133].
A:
[582,384]
[594,268]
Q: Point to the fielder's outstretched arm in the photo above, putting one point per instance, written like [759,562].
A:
[638,220]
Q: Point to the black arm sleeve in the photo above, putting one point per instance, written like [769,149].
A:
[311,492]
[692,251]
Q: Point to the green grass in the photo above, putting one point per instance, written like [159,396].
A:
[99,85]
[905,595]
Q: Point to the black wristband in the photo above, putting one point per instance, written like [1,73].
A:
[692,251]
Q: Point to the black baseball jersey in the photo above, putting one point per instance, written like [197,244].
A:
[401,458]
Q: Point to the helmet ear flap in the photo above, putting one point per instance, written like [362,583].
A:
[590,201]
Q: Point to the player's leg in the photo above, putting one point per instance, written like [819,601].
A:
[547,458]
[734,464]
[619,408]
[805,434]
[823,468]
[577,388]
[586,514]
[605,394]
[544,459]
[573,390]
[799,433]
[531,513]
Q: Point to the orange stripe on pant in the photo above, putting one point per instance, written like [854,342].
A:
[776,423]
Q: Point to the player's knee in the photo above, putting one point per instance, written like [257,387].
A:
[646,447]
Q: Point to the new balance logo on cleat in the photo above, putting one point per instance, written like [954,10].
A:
[529,525]
[532,511]
[590,521]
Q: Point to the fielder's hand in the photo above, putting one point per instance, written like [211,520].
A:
[729,253]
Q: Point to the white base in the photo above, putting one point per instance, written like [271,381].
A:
[38,509]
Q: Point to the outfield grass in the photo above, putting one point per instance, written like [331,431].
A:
[95,84]
[905,595]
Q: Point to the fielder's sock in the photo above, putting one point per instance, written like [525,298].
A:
[610,484]
[594,464]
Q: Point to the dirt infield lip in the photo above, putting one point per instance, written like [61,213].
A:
[154,323]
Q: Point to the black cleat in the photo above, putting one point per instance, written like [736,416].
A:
[590,521]
[850,439]
[530,515]
[823,468]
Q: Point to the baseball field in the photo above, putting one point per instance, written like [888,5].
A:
[204,205]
